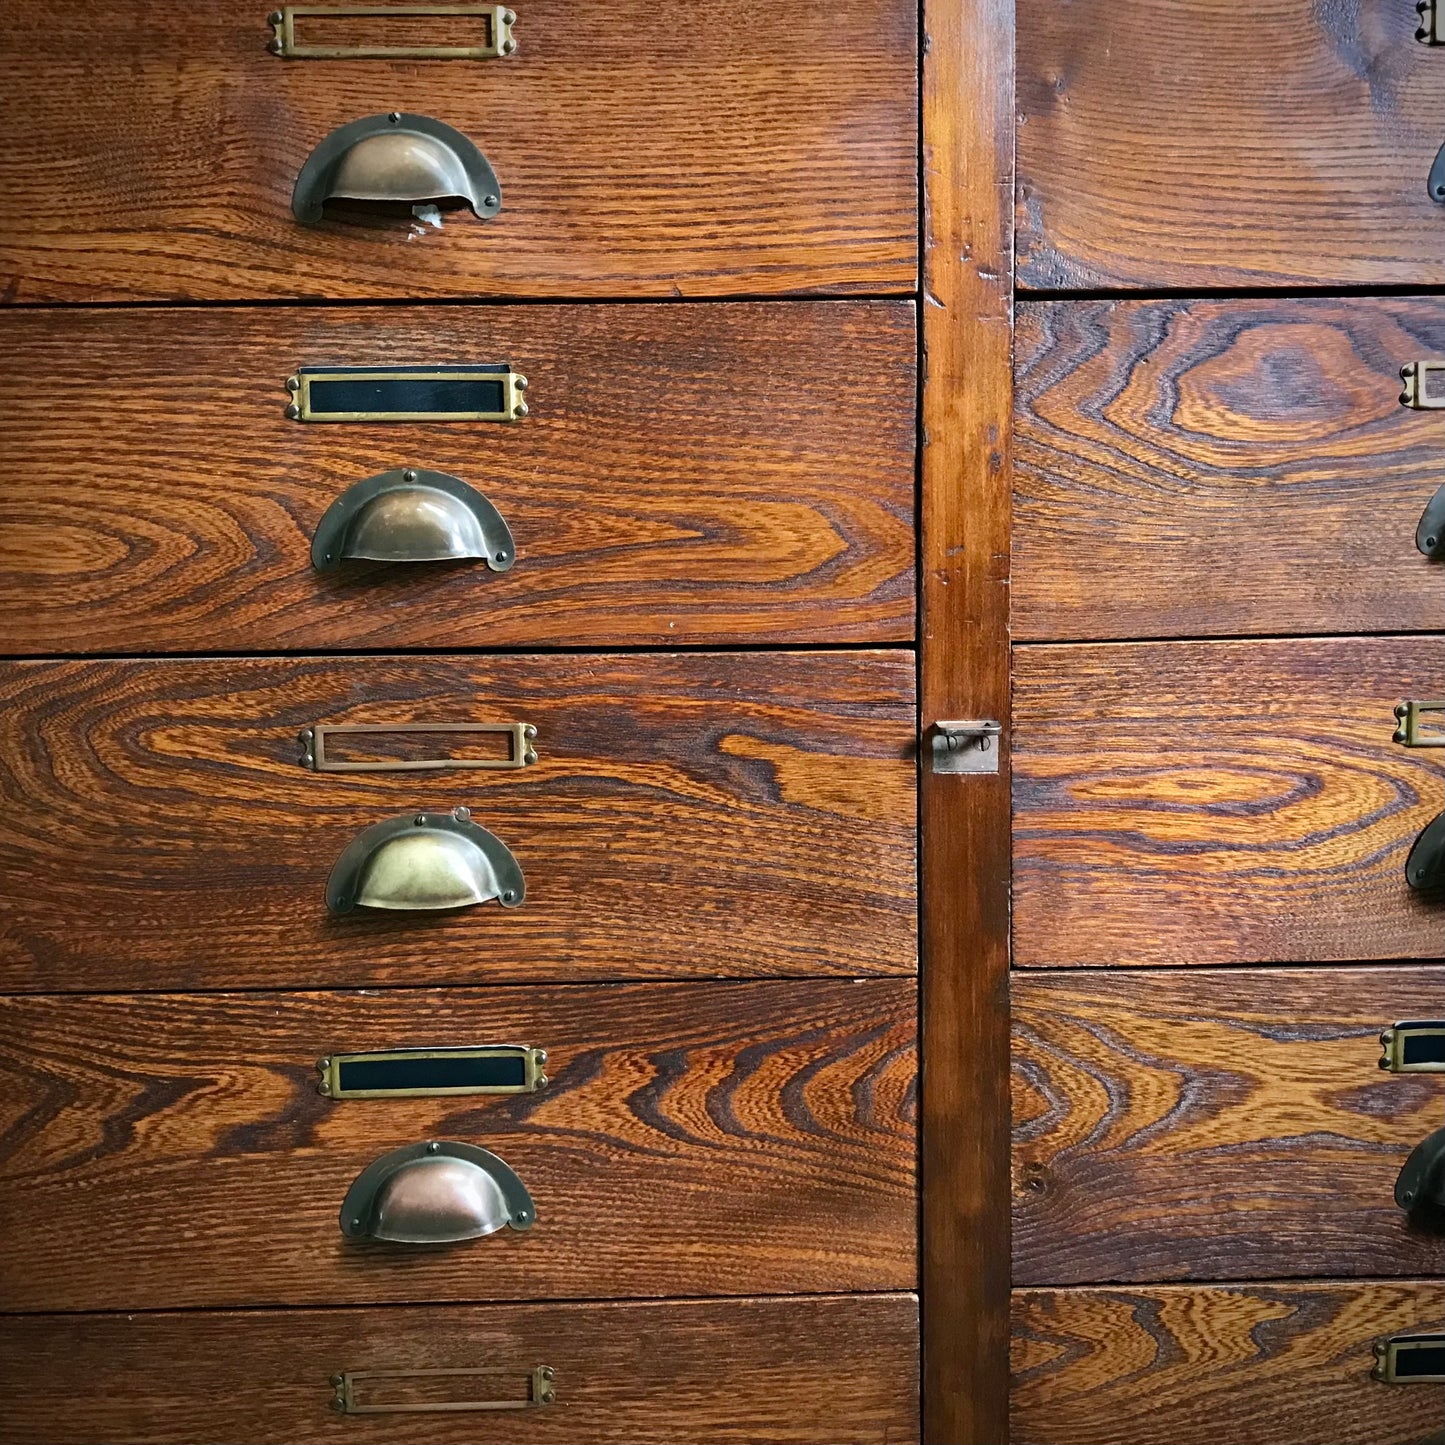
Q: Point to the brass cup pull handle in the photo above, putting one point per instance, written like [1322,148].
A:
[409,515]
[1437,177]
[1420,1189]
[1425,867]
[435,1193]
[425,862]
[1430,534]
[397,158]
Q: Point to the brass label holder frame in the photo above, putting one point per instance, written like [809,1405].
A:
[1432,22]
[1420,724]
[350,1386]
[1424,388]
[1410,1359]
[521,753]
[406,382]
[1414,1046]
[499,43]
[333,1068]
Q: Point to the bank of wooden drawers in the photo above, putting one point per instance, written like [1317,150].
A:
[1206,144]
[640,151]
[1219,602]
[718,941]
[737,1371]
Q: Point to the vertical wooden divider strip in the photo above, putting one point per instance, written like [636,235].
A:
[967,304]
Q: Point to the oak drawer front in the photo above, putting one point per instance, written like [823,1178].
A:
[799,1371]
[1198,468]
[1267,1364]
[1206,144]
[688,815]
[691,1139]
[1220,802]
[1217,1125]
[638,152]
[730,473]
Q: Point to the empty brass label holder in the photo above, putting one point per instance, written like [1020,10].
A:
[354,1387]
[1420,724]
[496,41]
[521,751]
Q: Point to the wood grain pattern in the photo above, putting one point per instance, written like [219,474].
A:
[964,673]
[699,149]
[731,473]
[695,1139]
[1201,468]
[1220,802]
[1261,1364]
[1219,1125]
[1207,143]
[820,1371]
[690,816]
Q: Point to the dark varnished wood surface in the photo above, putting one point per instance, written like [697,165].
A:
[1216,1125]
[690,815]
[1194,468]
[1207,144]
[642,151]
[1220,802]
[1264,1364]
[738,473]
[964,673]
[707,1138]
[820,1371]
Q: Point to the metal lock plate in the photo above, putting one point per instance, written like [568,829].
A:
[1410,1359]
[490,392]
[1416,1046]
[1424,383]
[1420,724]
[966,747]
[487,28]
[432,1073]
[427,1392]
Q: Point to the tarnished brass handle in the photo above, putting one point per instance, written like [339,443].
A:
[1425,867]
[1437,177]
[409,159]
[412,516]
[1430,534]
[424,862]
[435,1194]
[1420,1189]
